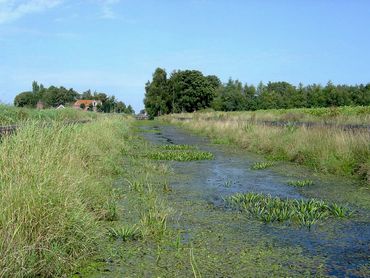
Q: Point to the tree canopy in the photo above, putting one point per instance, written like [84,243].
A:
[54,96]
[190,90]
[184,91]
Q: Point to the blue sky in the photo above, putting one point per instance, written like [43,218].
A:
[114,46]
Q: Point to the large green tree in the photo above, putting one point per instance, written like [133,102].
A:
[191,90]
[158,99]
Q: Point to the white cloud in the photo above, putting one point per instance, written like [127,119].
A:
[11,10]
[107,9]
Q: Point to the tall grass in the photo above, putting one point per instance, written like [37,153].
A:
[334,115]
[325,150]
[12,115]
[55,186]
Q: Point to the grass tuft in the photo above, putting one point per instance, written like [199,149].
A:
[125,233]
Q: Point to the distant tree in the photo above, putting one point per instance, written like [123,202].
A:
[230,97]
[35,87]
[28,99]
[191,90]
[120,107]
[158,99]
[130,110]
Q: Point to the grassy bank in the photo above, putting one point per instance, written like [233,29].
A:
[56,189]
[324,150]
[14,115]
[335,115]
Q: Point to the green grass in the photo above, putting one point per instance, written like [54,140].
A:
[125,233]
[55,191]
[262,165]
[13,115]
[300,183]
[180,155]
[274,209]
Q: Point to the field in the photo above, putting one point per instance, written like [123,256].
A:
[326,150]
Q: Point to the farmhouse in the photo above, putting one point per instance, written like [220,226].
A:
[85,104]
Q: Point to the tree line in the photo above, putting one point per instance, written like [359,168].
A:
[190,90]
[54,96]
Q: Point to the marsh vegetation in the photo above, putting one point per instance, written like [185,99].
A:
[274,209]
[326,150]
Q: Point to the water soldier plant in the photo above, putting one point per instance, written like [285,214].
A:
[177,147]
[274,209]
[300,183]
[262,165]
[180,155]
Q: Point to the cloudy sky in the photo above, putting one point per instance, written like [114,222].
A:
[114,46]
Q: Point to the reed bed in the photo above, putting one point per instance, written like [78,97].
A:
[55,185]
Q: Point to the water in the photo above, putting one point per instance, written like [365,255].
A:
[342,246]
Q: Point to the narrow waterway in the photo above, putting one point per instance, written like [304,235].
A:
[337,247]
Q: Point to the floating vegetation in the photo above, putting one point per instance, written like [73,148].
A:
[300,183]
[228,183]
[262,165]
[274,209]
[125,233]
[180,155]
[177,147]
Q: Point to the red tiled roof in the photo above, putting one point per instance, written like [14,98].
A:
[87,102]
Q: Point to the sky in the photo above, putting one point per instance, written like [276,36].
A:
[114,46]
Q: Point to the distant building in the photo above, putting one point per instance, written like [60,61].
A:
[40,105]
[85,104]
[61,106]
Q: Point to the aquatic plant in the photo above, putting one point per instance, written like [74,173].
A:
[262,165]
[111,208]
[125,233]
[183,155]
[300,183]
[177,147]
[228,183]
[274,209]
